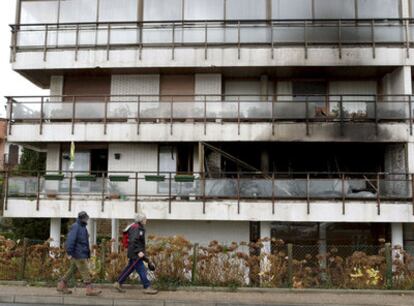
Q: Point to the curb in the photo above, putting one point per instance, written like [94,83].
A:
[240,289]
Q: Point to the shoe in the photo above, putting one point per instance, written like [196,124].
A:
[62,287]
[117,286]
[92,292]
[150,290]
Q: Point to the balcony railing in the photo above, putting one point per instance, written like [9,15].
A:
[236,186]
[213,33]
[133,109]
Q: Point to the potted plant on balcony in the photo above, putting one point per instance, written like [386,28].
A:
[85,178]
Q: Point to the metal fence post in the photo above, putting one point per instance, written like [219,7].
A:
[290,264]
[194,266]
[103,256]
[388,260]
[24,257]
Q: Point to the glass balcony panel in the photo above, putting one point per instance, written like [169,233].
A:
[327,33]
[31,36]
[256,110]
[155,110]
[290,188]
[20,186]
[325,188]
[57,110]
[255,188]
[289,110]
[288,34]
[255,34]
[393,110]
[360,188]
[29,110]
[394,33]
[90,110]
[157,34]
[356,33]
[66,36]
[125,34]
[87,36]
[190,34]
[188,110]
[221,188]
[123,109]
[395,186]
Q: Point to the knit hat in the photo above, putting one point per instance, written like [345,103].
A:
[140,217]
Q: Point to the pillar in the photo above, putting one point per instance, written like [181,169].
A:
[92,231]
[323,249]
[265,228]
[115,235]
[55,226]
[397,238]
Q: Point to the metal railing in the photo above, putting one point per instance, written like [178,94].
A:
[138,109]
[237,186]
[205,34]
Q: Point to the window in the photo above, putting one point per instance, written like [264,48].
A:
[330,9]
[246,9]
[292,9]
[157,10]
[119,10]
[78,11]
[204,9]
[378,9]
[39,12]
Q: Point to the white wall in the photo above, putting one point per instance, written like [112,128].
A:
[53,157]
[201,232]
[134,157]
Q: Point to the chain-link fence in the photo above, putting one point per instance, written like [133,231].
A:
[179,262]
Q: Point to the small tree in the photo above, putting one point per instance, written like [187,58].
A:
[32,160]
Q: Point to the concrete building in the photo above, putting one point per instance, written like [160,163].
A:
[220,119]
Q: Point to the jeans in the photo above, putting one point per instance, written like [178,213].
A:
[137,265]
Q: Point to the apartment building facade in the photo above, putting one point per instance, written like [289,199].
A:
[223,120]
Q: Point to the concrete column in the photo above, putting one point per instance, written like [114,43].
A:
[397,238]
[55,227]
[92,231]
[323,249]
[115,235]
[405,8]
[265,228]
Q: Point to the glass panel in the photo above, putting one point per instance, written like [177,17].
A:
[204,10]
[157,34]
[322,34]
[184,110]
[31,36]
[352,33]
[394,33]
[246,9]
[159,10]
[39,12]
[256,110]
[288,34]
[119,10]
[78,11]
[90,110]
[254,34]
[378,9]
[221,187]
[22,186]
[292,9]
[334,9]
[155,110]
[26,110]
[124,34]
[57,110]
[289,110]
[123,110]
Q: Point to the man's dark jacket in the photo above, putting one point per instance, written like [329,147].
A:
[136,240]
[77,243]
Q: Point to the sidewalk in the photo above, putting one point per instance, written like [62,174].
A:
[207,297]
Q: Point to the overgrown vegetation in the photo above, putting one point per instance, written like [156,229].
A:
[179,263]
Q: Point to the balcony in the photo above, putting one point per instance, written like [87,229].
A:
[210,118]
[367,197]
[213,42]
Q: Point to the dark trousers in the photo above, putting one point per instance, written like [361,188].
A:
[137,265]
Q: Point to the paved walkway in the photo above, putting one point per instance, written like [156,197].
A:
[206,297]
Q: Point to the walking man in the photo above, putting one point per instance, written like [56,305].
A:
[136,255]
[78,250]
